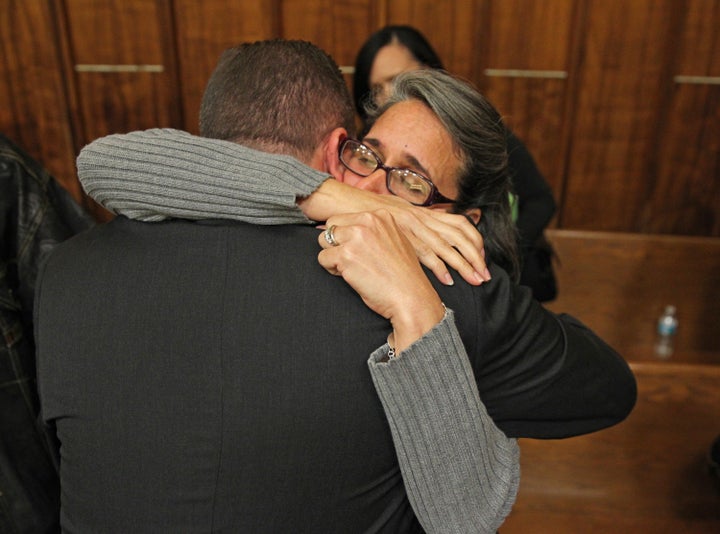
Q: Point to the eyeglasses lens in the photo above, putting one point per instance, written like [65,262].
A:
[359,159]
[410,186]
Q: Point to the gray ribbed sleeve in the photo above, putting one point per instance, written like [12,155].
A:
[460,471]
[160,173]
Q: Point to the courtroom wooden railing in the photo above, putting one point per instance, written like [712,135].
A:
[650,472]
[619,283]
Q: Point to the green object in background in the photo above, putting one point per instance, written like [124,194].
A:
[514,207]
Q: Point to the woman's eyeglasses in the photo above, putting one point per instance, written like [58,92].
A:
[404,183]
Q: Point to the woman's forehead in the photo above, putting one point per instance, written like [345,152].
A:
[391,60]
[414,120]
[410,129]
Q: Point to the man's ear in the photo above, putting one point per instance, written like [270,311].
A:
[331,156]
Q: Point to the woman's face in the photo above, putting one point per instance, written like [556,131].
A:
[409,135]
[391,60]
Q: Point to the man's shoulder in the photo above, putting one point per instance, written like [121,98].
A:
[500,287]
[185,240]
[487,308]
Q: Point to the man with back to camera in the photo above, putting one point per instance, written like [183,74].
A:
[563,380]
[211,376]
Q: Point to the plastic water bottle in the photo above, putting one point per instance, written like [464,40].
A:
[666,329]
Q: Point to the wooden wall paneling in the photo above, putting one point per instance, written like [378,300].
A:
[451,27]
[684,193]
[624,64]
[125,65]
[204,30]
[339,28]
[684,196]
[34,111]
[526,75]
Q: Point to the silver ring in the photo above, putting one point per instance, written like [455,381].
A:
[329,237]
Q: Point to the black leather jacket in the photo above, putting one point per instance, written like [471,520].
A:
[35,215]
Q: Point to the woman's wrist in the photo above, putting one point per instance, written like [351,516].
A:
[335,198]
[411,324]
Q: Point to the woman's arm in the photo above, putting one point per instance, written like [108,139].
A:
[460,471]
[157,174]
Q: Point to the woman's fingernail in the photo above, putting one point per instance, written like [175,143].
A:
[448,280]
[486,272]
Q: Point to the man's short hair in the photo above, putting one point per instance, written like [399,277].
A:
[278,95]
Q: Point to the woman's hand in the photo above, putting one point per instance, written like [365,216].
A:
[439,239]
[375,257]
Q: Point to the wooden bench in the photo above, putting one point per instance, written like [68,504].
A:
[647,474]
[618,284]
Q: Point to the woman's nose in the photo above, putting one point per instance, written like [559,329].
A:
[376,183]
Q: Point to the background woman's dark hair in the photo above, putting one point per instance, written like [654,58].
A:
[480,141]
[409,37]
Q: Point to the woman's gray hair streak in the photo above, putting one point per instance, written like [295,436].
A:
[479,138]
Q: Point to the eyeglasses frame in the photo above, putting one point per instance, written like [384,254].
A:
[435,197]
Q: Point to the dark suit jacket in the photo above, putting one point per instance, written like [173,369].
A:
[213,377]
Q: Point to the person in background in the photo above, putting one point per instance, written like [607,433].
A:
[36,215]
[210,376]
[393,50]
